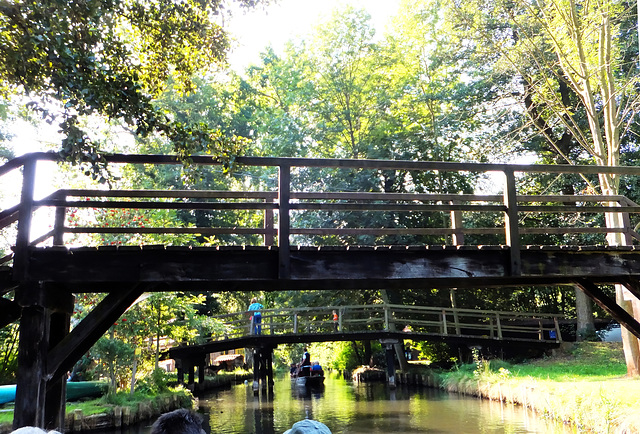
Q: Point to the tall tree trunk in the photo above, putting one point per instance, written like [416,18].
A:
[585,327]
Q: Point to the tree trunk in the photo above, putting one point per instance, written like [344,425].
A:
[133,373]
[585,327]
[623,297]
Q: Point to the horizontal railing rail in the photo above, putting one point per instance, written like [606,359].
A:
[413,320]
[289,216]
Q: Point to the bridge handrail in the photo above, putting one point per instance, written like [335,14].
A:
[285,202]
[389,317]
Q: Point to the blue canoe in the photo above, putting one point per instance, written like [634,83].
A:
[75,390]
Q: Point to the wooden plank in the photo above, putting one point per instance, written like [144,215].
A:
[160,230]
[143,205]
[379,207]
[175,194]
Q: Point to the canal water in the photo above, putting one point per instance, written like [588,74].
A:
[347,407]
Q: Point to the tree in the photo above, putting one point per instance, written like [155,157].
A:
[575,64]
[111,60]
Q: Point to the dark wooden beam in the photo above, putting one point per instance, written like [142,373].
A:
[11,312]
[66,353]
[613,308]
[32,356]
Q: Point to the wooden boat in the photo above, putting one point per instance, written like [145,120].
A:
[308,377]
[75,390]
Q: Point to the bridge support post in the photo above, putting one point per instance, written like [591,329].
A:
[40,397]
[256,370]
[262,369]
[269,367]
[391,367]
[390,345]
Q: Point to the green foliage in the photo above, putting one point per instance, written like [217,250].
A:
[111,59]
[114,360]
[436,353]
[8,353]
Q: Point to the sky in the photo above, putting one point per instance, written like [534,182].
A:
[291,19]
[252,32]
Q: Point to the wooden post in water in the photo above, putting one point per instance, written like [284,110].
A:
[256,370]
[269,363]
[391,367]
[263,368]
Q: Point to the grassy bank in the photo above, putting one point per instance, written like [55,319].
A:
[584,384]
[136,407]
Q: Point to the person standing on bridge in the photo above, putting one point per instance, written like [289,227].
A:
[256,316]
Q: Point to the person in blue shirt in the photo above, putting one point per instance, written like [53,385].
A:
[256,316]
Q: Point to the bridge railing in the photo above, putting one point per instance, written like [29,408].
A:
[297,204]
[414,320]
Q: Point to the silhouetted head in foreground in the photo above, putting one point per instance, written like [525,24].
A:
[180,421]
[32,430]
[308,426]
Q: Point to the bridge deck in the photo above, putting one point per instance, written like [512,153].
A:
[257,267]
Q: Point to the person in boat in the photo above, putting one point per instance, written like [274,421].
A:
[305,363]
[256,316]
[316,367]
[181,421]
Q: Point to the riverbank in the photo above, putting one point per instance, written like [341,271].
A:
[123,409]
[583,384]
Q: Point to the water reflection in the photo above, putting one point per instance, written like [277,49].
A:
[348,408]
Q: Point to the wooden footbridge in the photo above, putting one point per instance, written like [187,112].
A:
[387,323]
[291,227]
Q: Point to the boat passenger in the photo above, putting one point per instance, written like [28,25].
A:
[181,421]
[308,426]
[305,363]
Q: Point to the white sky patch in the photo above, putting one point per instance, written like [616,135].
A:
[292,19]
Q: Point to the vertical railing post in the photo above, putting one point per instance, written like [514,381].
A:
[340,312]
[268,226]
[25,215]
[492,331]
[58,225]
[511,223]
[295,322]
[499,326]
[540,330]
[445,330]
[386,317]
[457,238]
[284,220]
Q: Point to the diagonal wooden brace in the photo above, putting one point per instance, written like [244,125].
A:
[613,308]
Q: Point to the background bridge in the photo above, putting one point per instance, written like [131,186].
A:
[384,322]
[292,229]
